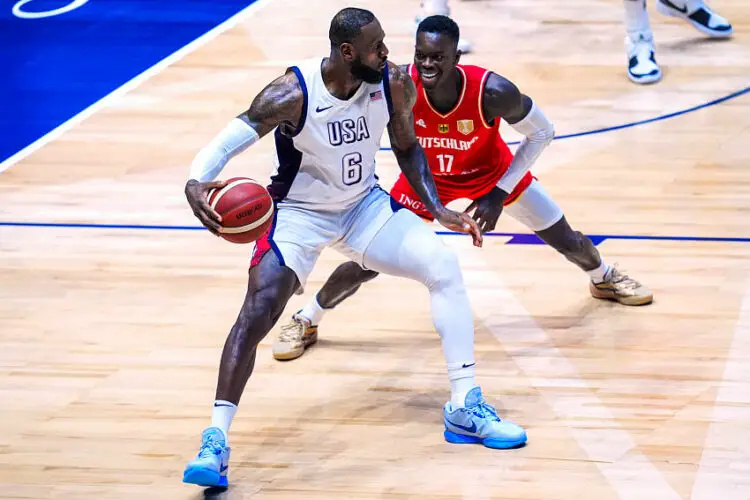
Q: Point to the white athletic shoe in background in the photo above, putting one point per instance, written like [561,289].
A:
[642,65]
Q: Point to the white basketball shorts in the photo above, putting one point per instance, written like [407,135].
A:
[298,235]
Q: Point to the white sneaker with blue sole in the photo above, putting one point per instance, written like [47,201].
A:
[478,422]
[210,466]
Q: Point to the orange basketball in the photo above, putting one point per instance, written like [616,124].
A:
[246,209]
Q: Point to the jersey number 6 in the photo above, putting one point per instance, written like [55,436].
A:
[352,168]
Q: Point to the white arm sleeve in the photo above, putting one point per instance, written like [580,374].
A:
[236,137]
[538,132]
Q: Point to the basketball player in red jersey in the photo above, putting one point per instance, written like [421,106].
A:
[457,118]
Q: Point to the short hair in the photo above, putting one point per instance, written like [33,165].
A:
[347,24]
[442,25]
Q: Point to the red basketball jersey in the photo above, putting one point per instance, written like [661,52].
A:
[464,151]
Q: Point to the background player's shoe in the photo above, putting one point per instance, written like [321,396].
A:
[642,65]
[478,422]
[210,467]
[294,338]
[622,288]
[700,16]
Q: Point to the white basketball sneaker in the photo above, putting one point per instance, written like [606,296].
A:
[642,65]
[698,14]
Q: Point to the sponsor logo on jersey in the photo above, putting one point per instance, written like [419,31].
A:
[408,202]
[446,143]
[466,127]
[443,128]
[347,131]
[421,123]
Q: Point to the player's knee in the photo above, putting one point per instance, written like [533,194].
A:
[444,271]
[353,272]
[367,275]
[259,313]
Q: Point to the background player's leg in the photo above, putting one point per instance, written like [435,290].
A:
[270,285]
[440,7]
[576,247]
[407,247]
[639,44]
[302,330]
[343,283]
[539,212]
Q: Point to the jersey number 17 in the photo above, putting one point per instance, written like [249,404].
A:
[446,163]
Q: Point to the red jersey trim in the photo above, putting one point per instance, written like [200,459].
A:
[460,99]
[481,95]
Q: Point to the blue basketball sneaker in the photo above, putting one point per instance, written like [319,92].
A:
[478,422]
[210,467]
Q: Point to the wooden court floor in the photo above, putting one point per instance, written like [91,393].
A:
[110,337]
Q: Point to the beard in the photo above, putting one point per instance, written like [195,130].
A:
[365,73]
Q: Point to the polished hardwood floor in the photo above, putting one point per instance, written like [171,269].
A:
[110,337]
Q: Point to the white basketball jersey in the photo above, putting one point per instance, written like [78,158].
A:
[328,162]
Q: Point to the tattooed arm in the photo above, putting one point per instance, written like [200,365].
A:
[279,104]
[412,159]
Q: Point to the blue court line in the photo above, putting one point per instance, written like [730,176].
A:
[515,238]
[643,122]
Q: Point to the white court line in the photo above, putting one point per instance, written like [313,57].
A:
[724,468]
[631,474]
[132,84]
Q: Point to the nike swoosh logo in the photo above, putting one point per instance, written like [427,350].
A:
[471,429]
[670,4]
[223,468]
[467,366]
[217,405]
[318,109]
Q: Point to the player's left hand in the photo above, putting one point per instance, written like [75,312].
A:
[487,209]
[461,223]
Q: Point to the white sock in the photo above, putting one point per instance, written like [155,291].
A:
[462,381]
[312,312]
[636,20]
[598,274]
[222,415]
[435,7]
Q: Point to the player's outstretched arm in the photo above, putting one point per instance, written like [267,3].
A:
[501,99]
[412,159]
[279,104]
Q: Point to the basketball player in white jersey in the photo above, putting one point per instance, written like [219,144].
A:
[639,41]
[329,115]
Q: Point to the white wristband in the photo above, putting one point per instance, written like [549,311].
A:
[538,132]
[236,137]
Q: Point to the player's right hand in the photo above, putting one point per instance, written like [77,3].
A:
[461,223]
[197,197]
[487,209]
